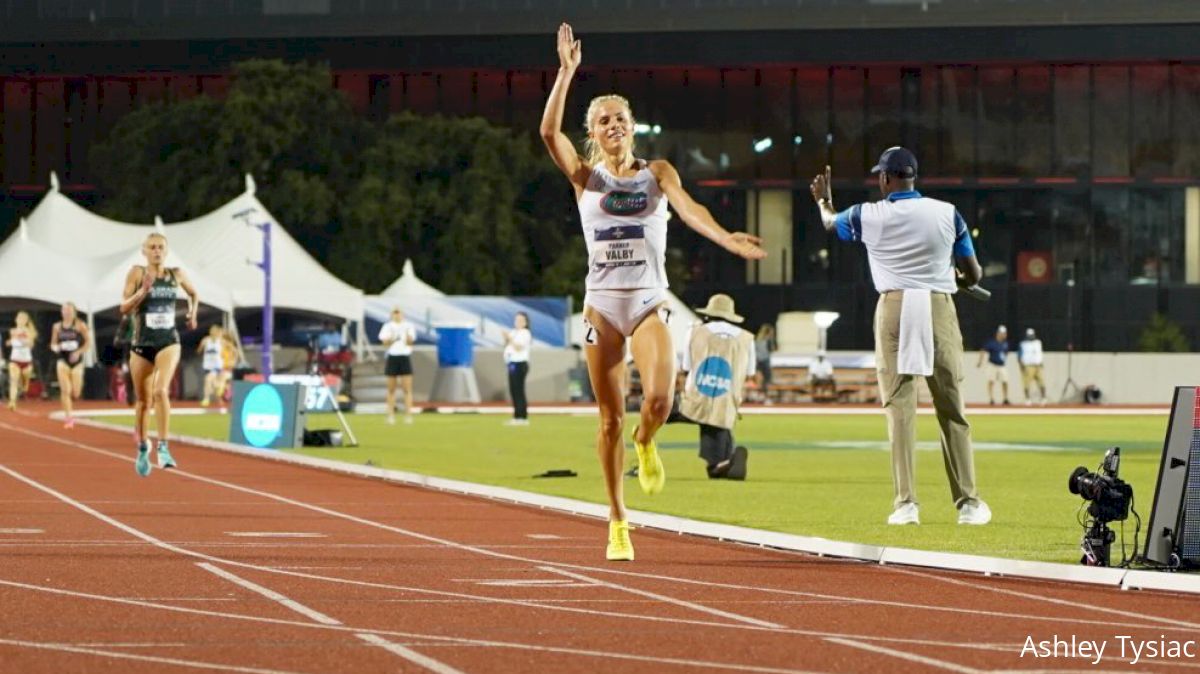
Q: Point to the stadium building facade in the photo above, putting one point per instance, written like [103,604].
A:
[1066,132]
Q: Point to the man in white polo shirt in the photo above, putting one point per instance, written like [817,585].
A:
[914,244]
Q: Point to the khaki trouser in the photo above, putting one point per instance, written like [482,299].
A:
[898,394]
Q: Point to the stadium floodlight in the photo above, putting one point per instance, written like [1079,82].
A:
[761,146]
[824,319]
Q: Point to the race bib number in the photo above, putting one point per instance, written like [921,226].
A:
[68,345]
[160,320]
[622,246]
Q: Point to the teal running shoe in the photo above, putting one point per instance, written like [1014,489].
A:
[165,460]
[143,459]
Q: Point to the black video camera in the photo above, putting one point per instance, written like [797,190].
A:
[1109,494]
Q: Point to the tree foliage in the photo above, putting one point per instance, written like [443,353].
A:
[1162,334]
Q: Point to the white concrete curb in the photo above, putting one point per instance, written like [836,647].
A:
[990,566]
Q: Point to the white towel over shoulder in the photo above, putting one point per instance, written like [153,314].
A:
[916,334]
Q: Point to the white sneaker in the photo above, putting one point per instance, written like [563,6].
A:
[905,514]
[391,420]
[974,514]
[408,419]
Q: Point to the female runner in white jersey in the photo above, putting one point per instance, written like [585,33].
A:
[623,208]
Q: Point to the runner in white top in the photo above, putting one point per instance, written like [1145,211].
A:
[622,206]
[398,335]
[516,361]
[21,338]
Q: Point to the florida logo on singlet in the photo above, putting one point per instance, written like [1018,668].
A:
[618,202]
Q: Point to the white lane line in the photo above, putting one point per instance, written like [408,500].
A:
[22,531]
[360,583]
[663,598]
[607,655]
[1042,598]
[593,569]
[409,654]
[920,659]
[126,645]
[274,596]
[315,615]
[544,537]
[275,534]
[195,664]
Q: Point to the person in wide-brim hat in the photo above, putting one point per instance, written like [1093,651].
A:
[721,306]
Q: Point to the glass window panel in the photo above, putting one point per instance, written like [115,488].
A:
[739,123]
[150,89]
[527,96]
[849,146]
[182,87]
[997,131]
[704,135]
[214,86]
[357,88]
[1071,109]
[884,111]
[928,126]
[1155,236]
[80,126]
[1033,110]
[491,96]
[775,101]
[957,120]
[1186,98]
[1109,263]
[380,90]
[50,114]
[1110,112]
[910,110]
[18,132]
[686,100]
[116,99]
[456,93]
[810,144]
[1151,121]
[421,93]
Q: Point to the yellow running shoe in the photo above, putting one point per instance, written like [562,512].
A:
[620,548]
[651,475]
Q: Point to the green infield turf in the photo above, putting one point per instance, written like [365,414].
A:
[826,476]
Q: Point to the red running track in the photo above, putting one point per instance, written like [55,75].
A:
[233,564]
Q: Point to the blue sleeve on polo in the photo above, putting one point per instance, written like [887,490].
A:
[963,247]
[849,223]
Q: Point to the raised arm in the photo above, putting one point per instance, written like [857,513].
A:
[698,217]
[137,286]
[562,150]
[193,298]
[822,193]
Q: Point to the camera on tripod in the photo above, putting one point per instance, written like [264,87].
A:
[1110,498]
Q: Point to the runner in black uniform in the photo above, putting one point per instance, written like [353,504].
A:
[150,295]
[69,339]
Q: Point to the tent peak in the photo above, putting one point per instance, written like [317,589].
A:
[24,229]
[53,181]
[408,268]
[158,224]
[251,187]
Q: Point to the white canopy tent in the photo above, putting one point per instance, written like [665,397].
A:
[224,246]
[409,285]
[30,270]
